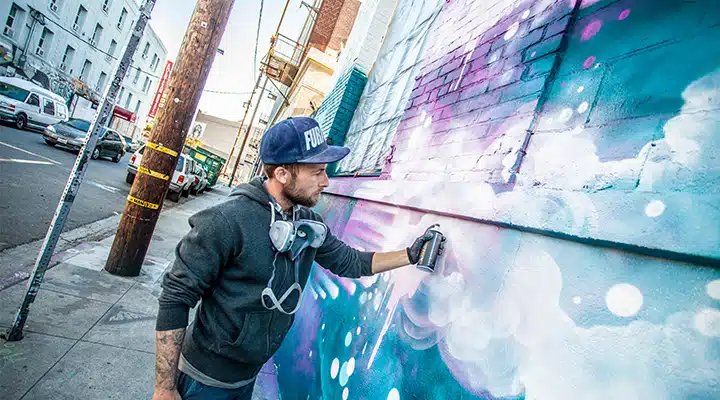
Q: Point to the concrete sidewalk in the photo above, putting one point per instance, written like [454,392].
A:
[90,334]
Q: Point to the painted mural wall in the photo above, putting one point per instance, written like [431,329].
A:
[597,120]
[507,315]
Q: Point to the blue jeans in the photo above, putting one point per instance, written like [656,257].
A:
[191,389]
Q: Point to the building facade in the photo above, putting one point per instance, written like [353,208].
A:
[217,135]
[78,43]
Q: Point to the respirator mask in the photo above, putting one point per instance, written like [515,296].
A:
[291,238]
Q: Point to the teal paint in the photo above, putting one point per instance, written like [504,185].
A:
[335,113]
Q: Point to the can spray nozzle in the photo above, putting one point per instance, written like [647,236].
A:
[431,250]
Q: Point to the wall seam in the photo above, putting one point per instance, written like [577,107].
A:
[544,94]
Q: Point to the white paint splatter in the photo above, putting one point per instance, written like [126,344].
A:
[526,14]
[358,330]
[350,366]
[345,393]
[713,289]
[334,368]
[655,208]
[348,339]
[624,300]
[707,322]
[512,31]
[577,299]
[393,395]
[580,89]
[583,107]
[343,375]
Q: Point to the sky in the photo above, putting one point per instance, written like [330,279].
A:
[233,71]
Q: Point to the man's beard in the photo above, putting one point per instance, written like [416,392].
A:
[296,197]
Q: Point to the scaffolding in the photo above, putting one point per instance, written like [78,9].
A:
[281,64]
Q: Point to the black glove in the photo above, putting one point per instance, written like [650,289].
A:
[414,250]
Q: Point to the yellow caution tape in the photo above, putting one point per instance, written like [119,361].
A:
[162,149]
[143,203]
[153,173]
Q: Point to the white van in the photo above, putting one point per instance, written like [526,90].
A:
[29,105]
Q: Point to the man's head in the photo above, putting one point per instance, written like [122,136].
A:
[300,183]
[295,154]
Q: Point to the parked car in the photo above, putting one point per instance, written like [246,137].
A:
[201,181]
[132,144]
[73,133]
[181,181]
[29,105]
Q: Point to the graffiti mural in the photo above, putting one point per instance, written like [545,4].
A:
[570,118]
[507,315]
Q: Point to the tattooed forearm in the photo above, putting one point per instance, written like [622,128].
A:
[167,356]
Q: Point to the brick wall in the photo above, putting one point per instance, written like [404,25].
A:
[478,89]
[333,24]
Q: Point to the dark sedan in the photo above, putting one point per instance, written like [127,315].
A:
[72,134]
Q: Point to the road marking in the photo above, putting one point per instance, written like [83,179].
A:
[104,187]
[30,152]
[16,160]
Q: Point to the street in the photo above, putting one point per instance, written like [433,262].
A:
[32,178]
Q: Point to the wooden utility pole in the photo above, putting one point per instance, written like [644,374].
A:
[167,138]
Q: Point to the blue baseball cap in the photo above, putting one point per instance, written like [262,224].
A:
[298,140]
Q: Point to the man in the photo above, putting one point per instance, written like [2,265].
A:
[248,259]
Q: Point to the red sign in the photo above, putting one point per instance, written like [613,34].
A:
[160,90]
[122,113]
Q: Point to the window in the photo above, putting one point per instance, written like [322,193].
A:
[13,21]
[128,100]
[85,72]
[106,6]
[120,96]
[137,106]
[146,50]
[48,107]
[112,136]
[44,42]
[80,124]
[113,47]
[79,19]
[155,62]
[123,17]
[13,92]
[137,76]
[101,81]
[33,100]
[67,58]
[146,84]
[54,5]
[97,34]
[180,164]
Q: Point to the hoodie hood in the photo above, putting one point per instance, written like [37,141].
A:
[255,190]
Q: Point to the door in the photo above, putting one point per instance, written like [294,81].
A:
[32,107]
[114,145]
[48,113]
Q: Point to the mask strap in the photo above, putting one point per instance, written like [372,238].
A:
[272,213]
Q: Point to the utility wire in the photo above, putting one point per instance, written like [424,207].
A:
[257,39]
[221,92]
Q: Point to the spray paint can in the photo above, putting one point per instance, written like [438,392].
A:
[429,251]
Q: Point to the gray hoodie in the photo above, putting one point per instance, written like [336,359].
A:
[226,261]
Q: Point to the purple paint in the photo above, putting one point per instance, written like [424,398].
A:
[624,14]
[589,62]
[591,30]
